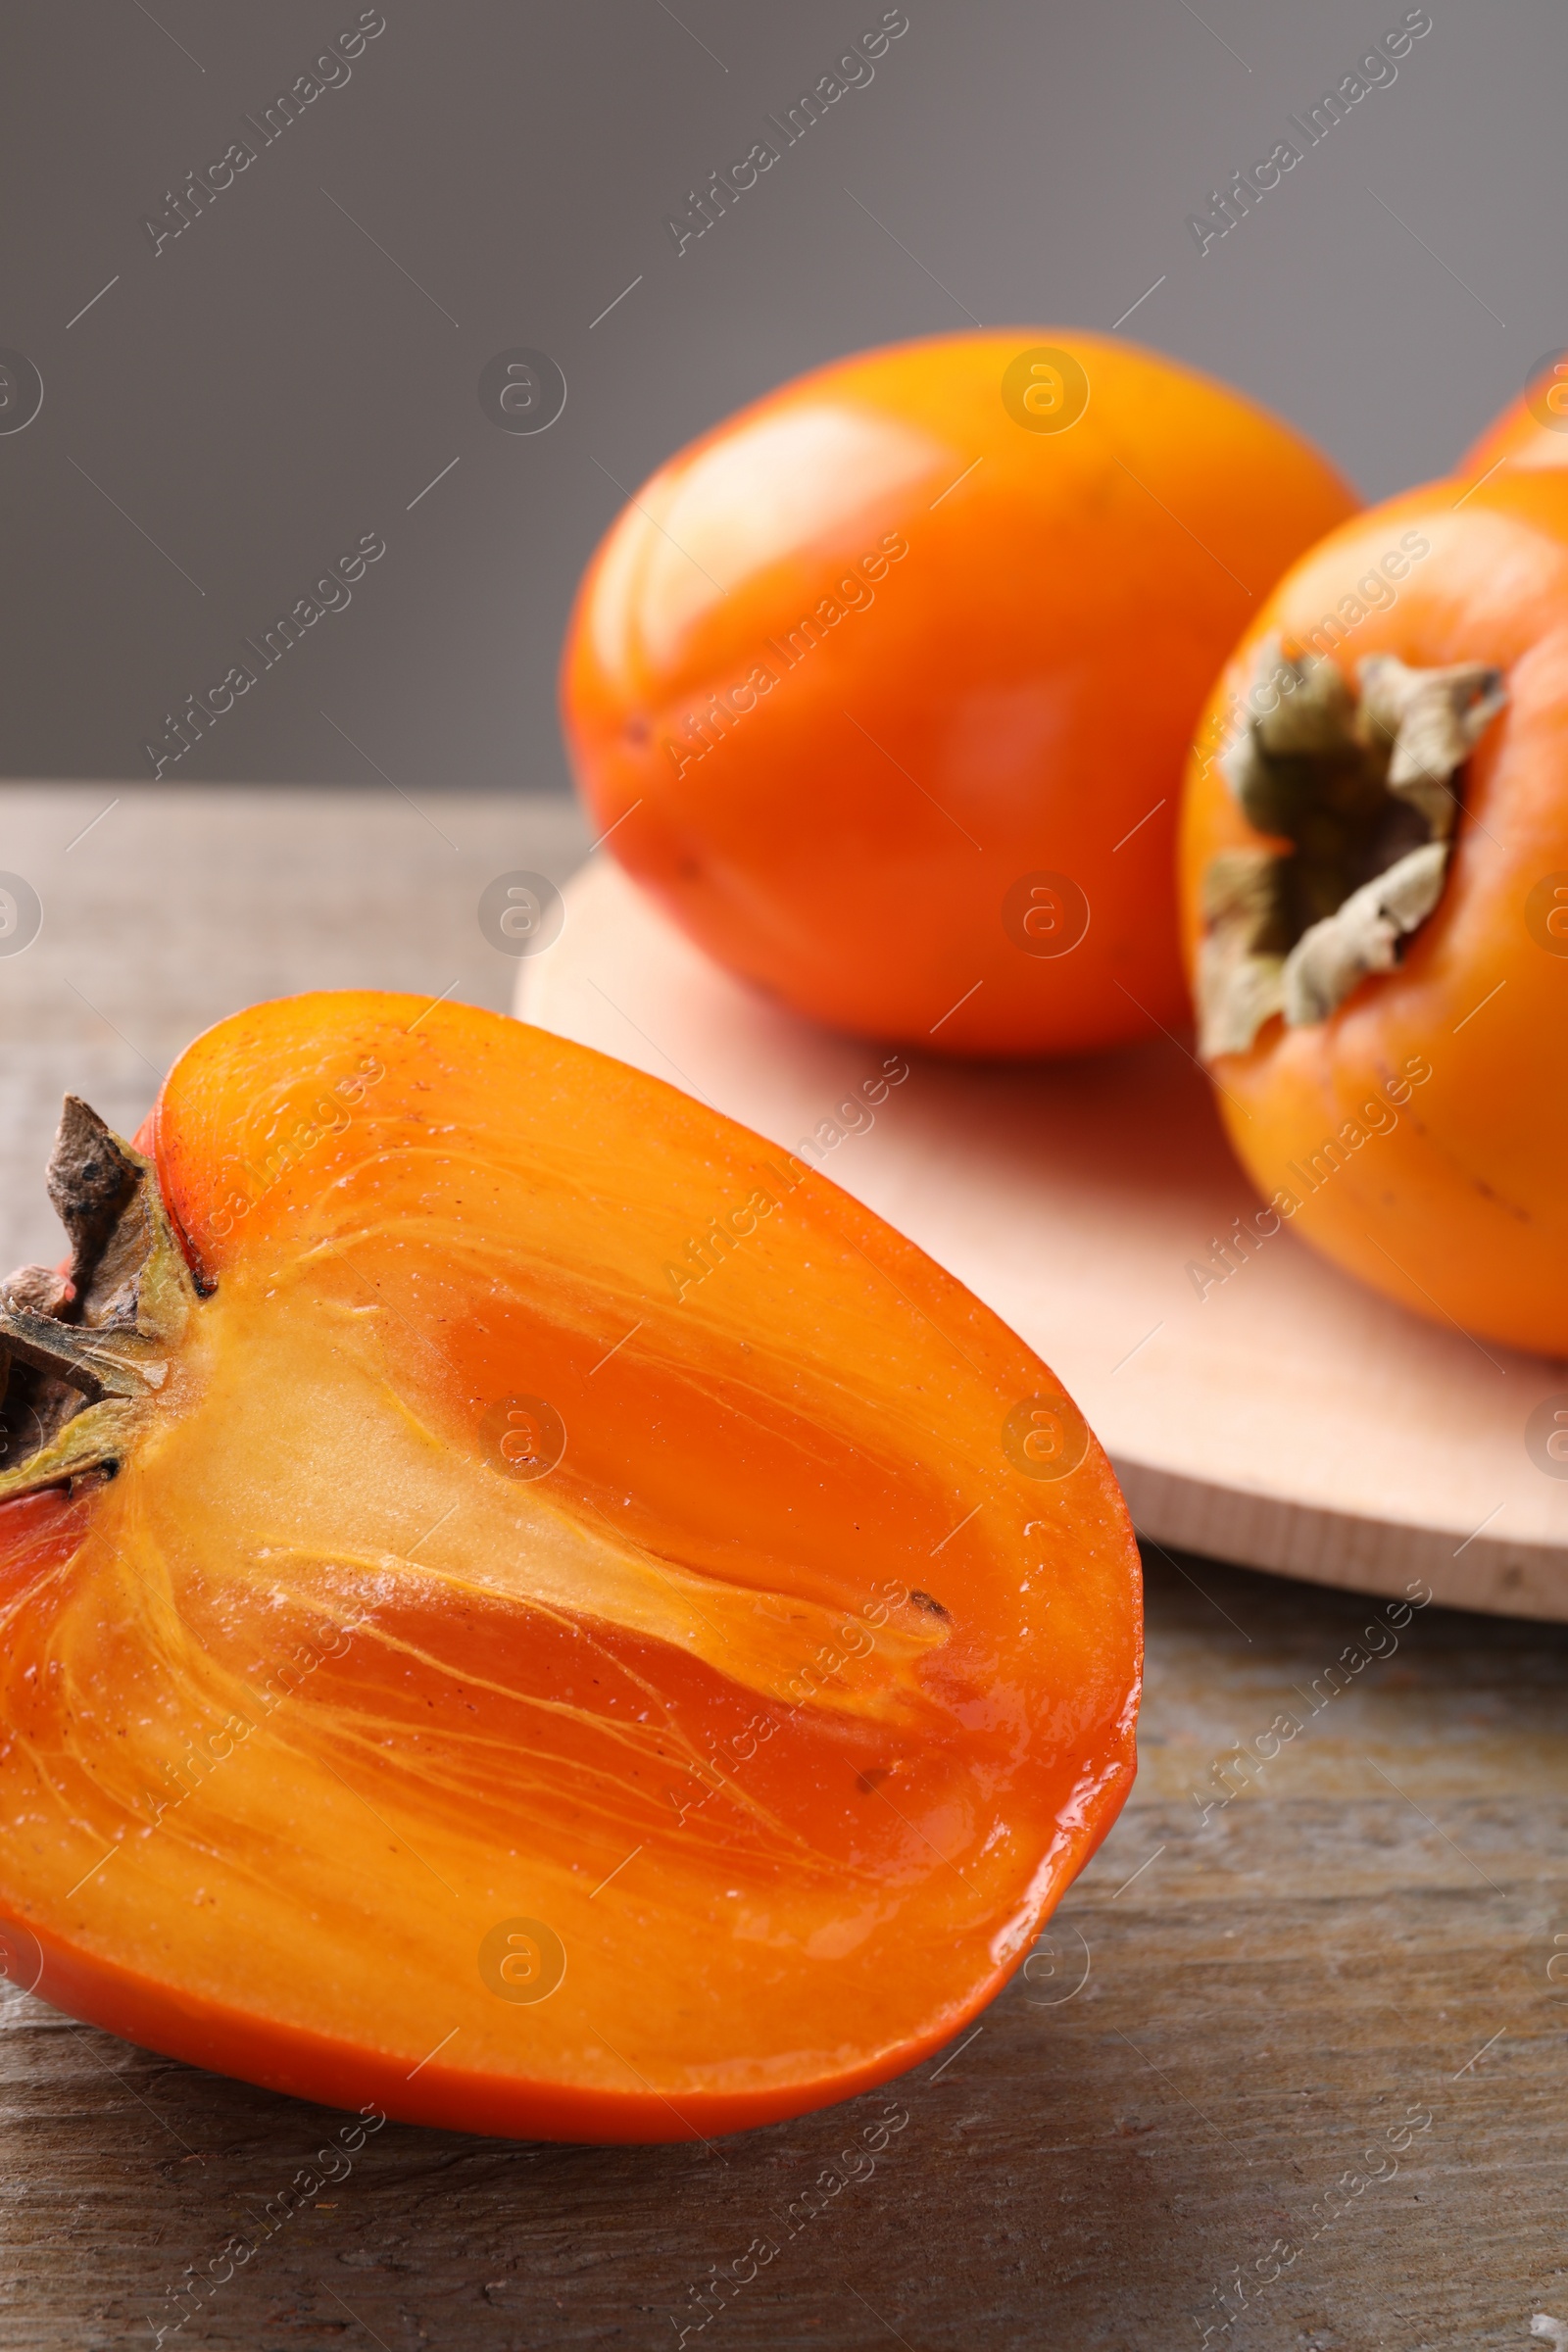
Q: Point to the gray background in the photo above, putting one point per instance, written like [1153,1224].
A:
[272,383]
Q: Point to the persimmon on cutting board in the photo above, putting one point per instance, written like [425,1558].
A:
[524,1605]
[884,687]
[1375,890]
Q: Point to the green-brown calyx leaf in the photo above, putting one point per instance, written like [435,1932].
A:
[84,1355]
[1365,789]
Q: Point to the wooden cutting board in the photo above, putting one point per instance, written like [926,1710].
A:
[1284,1416]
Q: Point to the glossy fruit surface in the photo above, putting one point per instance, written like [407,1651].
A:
[1421,1128]
[590,1634]
[886,684]
[1531,431]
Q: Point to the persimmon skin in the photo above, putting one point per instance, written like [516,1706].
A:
[387,1698]
[1518,436]
[1458,1208]
[1029,622]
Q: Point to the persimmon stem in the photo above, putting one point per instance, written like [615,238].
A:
[48,1346]
[82,1359]
[1363,790]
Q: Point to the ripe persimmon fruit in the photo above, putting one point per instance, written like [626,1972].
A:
[524,1606]
[1375,894]
[1531,431]
[883,687]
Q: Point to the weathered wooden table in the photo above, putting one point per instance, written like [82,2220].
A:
[1289,2068]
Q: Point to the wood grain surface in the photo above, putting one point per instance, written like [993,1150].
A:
[1335,1905]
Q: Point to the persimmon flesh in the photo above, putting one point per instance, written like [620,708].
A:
[547,1618]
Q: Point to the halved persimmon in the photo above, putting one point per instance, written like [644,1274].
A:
[524,1606]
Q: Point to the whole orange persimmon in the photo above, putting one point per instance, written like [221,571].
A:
[1375,894]
[884,686]
[1531,431]
[524,1608]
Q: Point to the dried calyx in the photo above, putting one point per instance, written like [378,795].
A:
[83,1355]
[1365,789]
